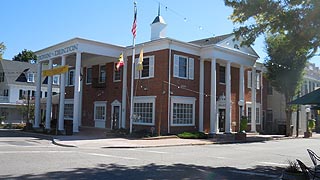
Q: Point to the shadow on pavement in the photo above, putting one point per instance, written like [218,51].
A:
[157,172]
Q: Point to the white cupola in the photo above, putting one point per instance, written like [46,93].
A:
[158,27]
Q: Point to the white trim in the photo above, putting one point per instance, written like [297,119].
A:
[189,67]
[114,73]
[100,123]
[258,106]
[146,99]
[183,100]
[87,68]
[113,104]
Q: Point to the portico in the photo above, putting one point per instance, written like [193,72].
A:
[226,65]
[76,54]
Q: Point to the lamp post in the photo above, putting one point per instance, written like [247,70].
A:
[307,116]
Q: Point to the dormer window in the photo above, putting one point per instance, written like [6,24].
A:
[236,46]
[30,77]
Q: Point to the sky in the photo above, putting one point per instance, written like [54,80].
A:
[37,24]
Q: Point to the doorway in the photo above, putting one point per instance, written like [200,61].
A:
[222,120]
[115,114]
[115,117]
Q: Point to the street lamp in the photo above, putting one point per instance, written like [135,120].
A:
[307,117]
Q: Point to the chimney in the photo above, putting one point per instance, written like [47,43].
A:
[158,27]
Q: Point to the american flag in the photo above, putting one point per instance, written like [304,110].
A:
[134,25]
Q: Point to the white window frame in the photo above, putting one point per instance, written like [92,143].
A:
[30,77]
[189,67]
[258,114]
[68,102]
[138,75]
[87,75]
[102,104]
[225,74]
[115,71]
[105,74]
[146,99]
[249,79]
[56,79]
[72,82]
[183,100]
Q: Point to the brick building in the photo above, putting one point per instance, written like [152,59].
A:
[204,85]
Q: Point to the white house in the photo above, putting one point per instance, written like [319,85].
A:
[18,88]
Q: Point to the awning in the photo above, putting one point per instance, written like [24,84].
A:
[312,98]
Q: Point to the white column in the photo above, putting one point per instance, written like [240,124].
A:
[228,98]
[241,90]
[37,112]
[76,95]
[253,100]
[124,92]
[213,101]
[201,95]
[62,93]
[49,98]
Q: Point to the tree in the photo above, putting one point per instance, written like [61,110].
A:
[25,56]
[2,49]
[296,19]
[285,66]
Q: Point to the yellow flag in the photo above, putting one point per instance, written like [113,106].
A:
[58,70]
[140,63]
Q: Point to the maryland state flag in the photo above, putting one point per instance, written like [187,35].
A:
[140,63]
[120,62]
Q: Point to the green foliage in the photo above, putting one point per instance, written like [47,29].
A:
[2,49]
[193,135]
[243,123]
[25,56]
[285,66]
[311,124]
[297,20]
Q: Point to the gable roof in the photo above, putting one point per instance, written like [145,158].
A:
[16,71]
[212,40]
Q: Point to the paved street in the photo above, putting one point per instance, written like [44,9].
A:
[27,157]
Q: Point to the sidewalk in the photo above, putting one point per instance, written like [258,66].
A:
[97,138]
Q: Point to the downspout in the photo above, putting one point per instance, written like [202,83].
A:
[169,88]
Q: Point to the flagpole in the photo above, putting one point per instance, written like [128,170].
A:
[132,70]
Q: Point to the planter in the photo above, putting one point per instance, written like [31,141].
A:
[307,134]
[240,136]
[293,176]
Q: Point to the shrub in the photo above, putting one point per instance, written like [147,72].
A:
[311,124]
[243,124]
[193,135]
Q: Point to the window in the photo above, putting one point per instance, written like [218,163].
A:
[30,77]
[71,78]
[148,68]
[222,74]
[56,79]
[258,115]
[183,67]
[144,110]
[183,111]
[100,111]
[249,112]
[116,73]
[1,76]
[102,74]
[68,109]
[89,76]
[257,80]
[6,92]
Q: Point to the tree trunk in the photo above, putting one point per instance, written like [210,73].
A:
[288,120]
